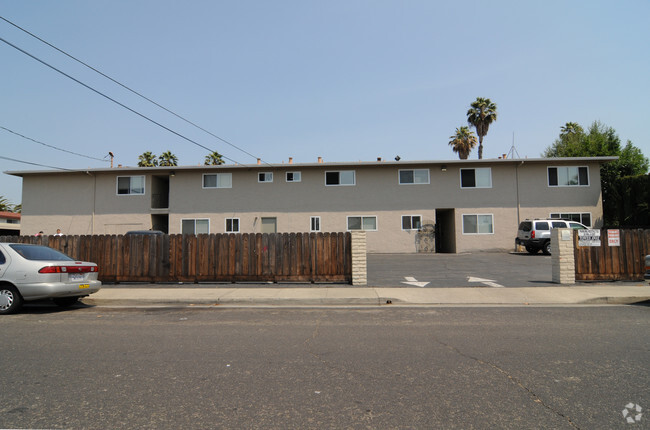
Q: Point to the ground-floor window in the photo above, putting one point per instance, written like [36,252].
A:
[315,223]
[366,223]
[195,226]
[232,225]
[411,222]
[478,224]
[582,218]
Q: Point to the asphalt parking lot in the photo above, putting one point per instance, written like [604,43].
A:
[481,269]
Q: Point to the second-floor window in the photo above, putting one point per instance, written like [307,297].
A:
[476,178]
[568,176]
[130,185]
[265,177]
[217,180]
[293,177]
[342,177]
[415,176]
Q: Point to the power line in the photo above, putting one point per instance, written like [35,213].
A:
[112,99]
[36,164]
[52,146]
[131,90]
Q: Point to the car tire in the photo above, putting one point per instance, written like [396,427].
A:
[10,299]
[547,248]
[65,302]
[531,250]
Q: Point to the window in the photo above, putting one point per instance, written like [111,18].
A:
[365,223]
[478,224]
[232,225]
[582,218]
[293,177]
[417,176]
[130,185]
[265,177]
[217,180]
[195,226]
[345,177]
[570,176]
[411,222]
[476,178]
[315,223]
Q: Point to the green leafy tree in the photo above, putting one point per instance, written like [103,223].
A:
[167,159]
[18,208]
[147,159]
[481,114]
[213,159]
[462,142]
[602,141]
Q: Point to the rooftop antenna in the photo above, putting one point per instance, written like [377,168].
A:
[513,150]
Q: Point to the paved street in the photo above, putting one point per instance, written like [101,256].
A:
[476,367]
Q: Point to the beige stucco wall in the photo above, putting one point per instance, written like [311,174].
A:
[88,203]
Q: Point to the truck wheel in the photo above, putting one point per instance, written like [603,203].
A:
[10,299]
[547,248]
[531,250]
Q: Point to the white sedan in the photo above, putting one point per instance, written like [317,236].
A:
[34,272]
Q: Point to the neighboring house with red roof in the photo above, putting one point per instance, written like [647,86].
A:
[9,223]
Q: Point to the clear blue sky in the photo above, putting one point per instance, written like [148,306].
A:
[346,80]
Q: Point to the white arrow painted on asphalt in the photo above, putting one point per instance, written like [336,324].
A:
[412,281]
[488,282]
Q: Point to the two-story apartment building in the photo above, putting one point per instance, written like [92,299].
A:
[467,205]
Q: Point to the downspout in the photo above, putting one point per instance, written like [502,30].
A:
[517,185]
[92,218]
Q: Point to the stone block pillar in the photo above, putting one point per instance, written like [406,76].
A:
[359,259]
[564,269]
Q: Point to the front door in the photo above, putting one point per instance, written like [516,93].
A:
[269,225]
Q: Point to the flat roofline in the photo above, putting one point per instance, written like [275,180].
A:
[324,164]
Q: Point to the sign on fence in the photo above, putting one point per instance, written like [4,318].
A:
[588,237]
[614,237]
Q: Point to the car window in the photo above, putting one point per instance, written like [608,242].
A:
[559,224]
[542,225]
[576,226]
[526,226]
[3,260]
[40,253]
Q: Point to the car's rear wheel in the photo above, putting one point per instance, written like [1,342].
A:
[10,299]
[532,249]
[65,302]
[547,248]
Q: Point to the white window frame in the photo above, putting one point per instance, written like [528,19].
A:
[311,224]
[295,174]
[268,177]
[131,193]
[474,169]
[347,222]
[225,225]
[354,178]
[477,224]
[412,228]
[558,215]
[548,177]
[399,177]
[195,220]
[218,180]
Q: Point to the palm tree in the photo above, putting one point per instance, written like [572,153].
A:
[571,128]
[147,159]
[214,159]
[480,115]
[462,142]
[167,159]
[5,206]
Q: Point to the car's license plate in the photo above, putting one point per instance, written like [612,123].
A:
[75,276]
[84,286]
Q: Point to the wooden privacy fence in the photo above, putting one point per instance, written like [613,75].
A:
[605,262]
[248,257]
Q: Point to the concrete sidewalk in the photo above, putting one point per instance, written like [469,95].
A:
[151,295]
